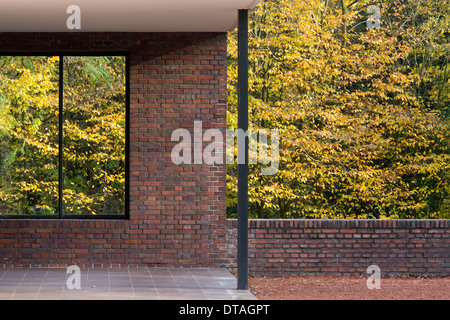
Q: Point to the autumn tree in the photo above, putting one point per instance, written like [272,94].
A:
[362,113]
[94,135]
[29,135]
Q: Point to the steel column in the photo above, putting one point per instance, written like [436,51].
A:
[242,241]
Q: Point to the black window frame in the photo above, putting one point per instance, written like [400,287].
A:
[61,55]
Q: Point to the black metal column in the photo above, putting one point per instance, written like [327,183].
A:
[60,138]
[242,241]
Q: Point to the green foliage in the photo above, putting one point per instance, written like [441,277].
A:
[363,114]
[28,133]
[93,135]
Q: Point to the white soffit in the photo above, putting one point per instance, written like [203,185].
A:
[122,15]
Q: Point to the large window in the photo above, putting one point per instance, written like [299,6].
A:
[63,136]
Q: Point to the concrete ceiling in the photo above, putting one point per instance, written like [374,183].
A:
[122,15]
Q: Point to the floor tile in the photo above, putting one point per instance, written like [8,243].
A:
[120,284]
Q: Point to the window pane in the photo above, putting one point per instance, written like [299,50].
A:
[94,135]
[28,135]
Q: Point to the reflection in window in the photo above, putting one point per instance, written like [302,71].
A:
[93,132]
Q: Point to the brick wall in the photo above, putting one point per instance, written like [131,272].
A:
[177,213]
[345,247]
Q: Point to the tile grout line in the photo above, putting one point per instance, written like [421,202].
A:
[200,286]
[109,283]
[131,282]
[154,284]
[42,282]
[17,287]
[7,270]
[64,286]
[86,283]
[176,284]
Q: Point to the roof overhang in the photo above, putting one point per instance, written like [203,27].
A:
[123,15]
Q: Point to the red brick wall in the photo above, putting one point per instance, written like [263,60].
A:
[345,247]
[177,213]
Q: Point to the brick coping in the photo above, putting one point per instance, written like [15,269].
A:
[343,223]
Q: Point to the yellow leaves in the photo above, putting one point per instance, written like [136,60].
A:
[94,135]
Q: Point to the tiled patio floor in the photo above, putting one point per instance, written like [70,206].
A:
[120,284]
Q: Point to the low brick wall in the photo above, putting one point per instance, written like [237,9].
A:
[344,247]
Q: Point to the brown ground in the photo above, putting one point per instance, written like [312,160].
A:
[348,288]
